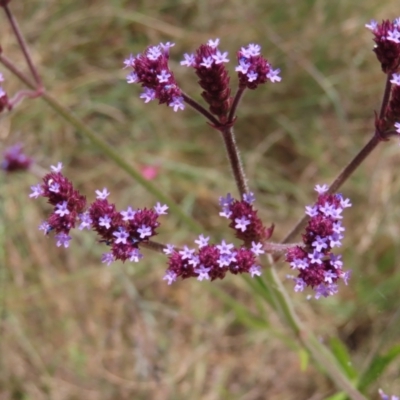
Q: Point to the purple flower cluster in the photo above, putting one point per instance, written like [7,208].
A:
[208,62]
[151,70]
[387,43]
[317,266]
[244,219]
[210,262]
[123,231]
[14,159]
[254,69]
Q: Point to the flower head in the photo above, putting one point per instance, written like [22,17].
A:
[317,266]
[150,69]
[14,159]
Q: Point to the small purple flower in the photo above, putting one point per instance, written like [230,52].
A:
[128,62]
[86,221]
[257,248]
[161,209]
[170,277]
[203,273]
[249,198]
[121,236]
[372,25]
[148,95]
[220,57]
[62,239]
[62,209]
[395,79]
[129,214]
[54,187]
[105,221]
[202,241]
[57,168]
[144,231]
[169,249]
[107,258]
[255,270]
[213,43]
[273,75]
[187,253]
[135,255]
[225,248]
[102,195]
[37,191]
[164,76]
[321,189]
[189,60]
[132,78]
[45,227]
[177,104]
[241,223]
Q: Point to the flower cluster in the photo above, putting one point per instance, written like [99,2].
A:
[151,70]
[317,266]
[67,201]
[385,396]
[208,62]
[123,231]
[387,43]
[244,219]
[4,103]
[14,159]
[254,69]
[211,261]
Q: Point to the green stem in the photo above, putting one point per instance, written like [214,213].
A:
[324,358]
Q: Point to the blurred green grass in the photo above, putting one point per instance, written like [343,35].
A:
[74,329]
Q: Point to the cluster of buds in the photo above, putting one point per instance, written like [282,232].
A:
[151,70]
[14,159]
[211,261]
[4,103]
[244,219]
[214,261]
[317,266]
[123,231]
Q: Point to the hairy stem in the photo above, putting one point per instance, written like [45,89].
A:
[235,161]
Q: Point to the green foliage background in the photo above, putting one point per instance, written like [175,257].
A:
[74,329]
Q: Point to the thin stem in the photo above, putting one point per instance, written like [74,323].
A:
[199,108]
[283,305]
[103,146]
[23,45]
[346,172]
[235,161]
[235,104]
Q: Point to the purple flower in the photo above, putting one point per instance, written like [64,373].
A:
[37,191]
[317,266]
[202,241]
[102,195]
[63,239]
[128,214]
[161,209]
[170,277]
[107,258]
[62,209]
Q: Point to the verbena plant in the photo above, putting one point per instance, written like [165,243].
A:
[124,233]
